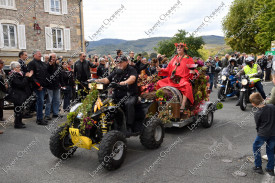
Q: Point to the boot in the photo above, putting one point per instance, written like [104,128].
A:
[18,121]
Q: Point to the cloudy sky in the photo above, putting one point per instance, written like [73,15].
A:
[136,19]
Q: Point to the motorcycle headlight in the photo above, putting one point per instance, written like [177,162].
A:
[223,77]
[244,81]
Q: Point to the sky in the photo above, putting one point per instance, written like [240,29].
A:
[137,19]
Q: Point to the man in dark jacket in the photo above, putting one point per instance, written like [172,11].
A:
[210,63]
[225,62]
[82,72]
[54,83]
[39,69]
[265,126]
[22,61]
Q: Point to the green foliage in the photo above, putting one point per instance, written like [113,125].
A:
[167,47]
[249,25]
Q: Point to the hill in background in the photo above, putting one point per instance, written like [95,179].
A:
[109,46]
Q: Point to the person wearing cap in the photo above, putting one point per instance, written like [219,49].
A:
[125,77]
[180,71]
[3,89]
[254,72]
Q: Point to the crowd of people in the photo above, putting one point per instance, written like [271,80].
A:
[53,76]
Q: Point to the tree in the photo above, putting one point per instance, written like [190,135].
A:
[265,22]
[248,27]
[153,55]
[167,47]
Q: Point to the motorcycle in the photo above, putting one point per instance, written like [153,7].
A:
[248,87]
[229,84]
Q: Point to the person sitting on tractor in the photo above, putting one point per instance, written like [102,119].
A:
[179,72]
[126,88]
[254,72]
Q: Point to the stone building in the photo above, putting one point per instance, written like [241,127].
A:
[47,25]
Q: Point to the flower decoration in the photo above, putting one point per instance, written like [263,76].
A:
[181,44]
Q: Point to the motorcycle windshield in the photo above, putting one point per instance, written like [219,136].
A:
[225,71]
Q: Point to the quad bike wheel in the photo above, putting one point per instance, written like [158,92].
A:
[207,120]
[112,150]
[152,134]
[61,147]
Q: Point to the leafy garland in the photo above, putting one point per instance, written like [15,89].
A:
[85,109]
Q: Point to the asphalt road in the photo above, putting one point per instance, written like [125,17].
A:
[198,155]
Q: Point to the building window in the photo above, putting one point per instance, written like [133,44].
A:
[55,6]
[57,38]
[9,35]
[7,4]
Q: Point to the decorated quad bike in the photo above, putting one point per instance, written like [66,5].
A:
[100,123]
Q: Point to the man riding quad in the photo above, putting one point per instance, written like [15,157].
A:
[124,79]
[254,72]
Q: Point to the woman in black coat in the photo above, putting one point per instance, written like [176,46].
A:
[20,92]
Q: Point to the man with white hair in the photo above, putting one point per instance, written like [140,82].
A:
[39,69]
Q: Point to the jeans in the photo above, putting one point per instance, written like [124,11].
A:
[53,100]
[270,143]
[260,89]
[67,97]
[40,95]
[211,80]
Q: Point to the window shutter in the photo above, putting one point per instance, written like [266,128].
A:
[67,39]
[46,5]
[1,37]
[64,7]
[21,37]
[48,38]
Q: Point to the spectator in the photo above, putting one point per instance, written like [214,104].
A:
[131,58]
[143,65]
[46,59]
[54,83]
[268,68]
[218,68]
[265,126]
[225,61]
[159,59]
[262,62]
[22,61]
[101,70]
[271,100]
[243,57]
[153,67]
[82,71]
[210,63]
[3,88]
[39,70]
[94,70]
[68,79]
[20,92]
[70,65]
